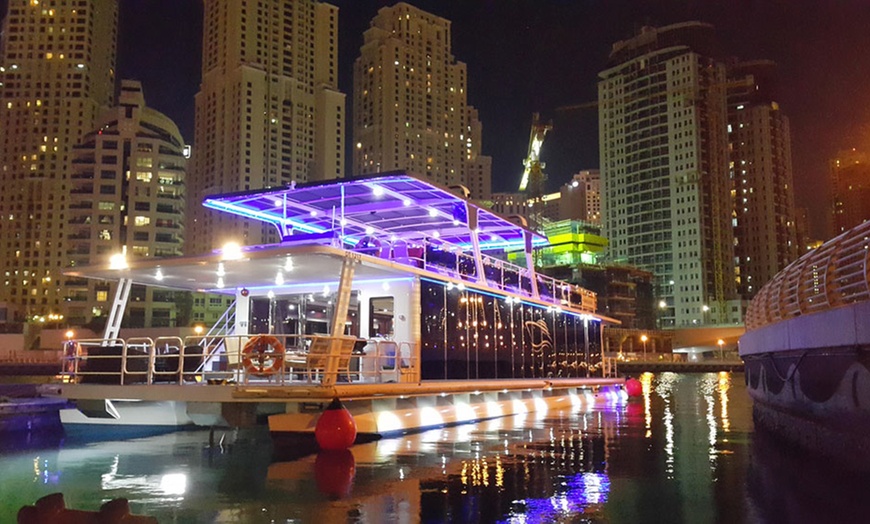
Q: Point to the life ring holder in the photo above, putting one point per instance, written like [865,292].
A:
[259,351]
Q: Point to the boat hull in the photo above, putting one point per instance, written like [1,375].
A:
[392,416]
[124,419]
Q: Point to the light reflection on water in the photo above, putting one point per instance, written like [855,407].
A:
[683,446]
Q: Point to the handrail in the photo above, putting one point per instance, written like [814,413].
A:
[225,325]
[505,276]
[835,274]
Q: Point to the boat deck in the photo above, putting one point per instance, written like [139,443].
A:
[266,392]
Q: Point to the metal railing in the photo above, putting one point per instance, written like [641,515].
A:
[833,275]
[238,359]
[500,274]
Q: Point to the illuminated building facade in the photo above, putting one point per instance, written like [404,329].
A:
[578,200]
[581,197]
[268,112]
[410,104]
[760,168]
[126,197]
[664,182]
[57,61]
[850,181]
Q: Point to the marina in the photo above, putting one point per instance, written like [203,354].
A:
[612,461]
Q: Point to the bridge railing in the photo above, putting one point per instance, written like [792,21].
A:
[835,274]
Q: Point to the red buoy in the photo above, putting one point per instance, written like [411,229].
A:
[335,428]
[334,472]
[633,387]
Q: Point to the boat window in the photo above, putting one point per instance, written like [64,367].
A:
[381,315]
[301,314]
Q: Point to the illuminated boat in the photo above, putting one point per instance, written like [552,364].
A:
[388,292]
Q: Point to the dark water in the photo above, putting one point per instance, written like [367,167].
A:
[685,452]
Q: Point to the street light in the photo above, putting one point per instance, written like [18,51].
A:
[644,338]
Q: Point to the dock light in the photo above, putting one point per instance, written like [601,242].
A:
[198,329]
[231,251]
[118,261]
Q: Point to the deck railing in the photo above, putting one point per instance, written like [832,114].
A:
[833,275]
[500,274]
[241,359]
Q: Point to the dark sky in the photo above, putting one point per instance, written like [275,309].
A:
[536,55]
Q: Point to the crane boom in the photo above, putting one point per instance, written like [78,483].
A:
[534,168]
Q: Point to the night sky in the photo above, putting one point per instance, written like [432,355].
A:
[537,55]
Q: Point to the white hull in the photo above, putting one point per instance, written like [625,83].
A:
[130,413]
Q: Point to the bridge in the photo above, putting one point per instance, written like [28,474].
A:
[807,348]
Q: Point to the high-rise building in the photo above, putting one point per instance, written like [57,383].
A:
[57,61]
[760,168]
[581,197]
[268,112]
[578,200]
[850,183]
[410,109]
[126,198]
[666,204]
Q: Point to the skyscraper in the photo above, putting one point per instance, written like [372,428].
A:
[268,112]
[57,61]
[410,103]
[761,175]
[850,184]
[126,197]
[665,190]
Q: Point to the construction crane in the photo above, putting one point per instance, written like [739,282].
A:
[533,175]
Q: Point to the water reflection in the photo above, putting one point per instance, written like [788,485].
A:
[677,454]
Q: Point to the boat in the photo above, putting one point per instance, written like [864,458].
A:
[806,350]
[389,292]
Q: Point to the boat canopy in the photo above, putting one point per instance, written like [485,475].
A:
[391,207]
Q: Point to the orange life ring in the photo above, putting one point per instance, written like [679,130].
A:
[263,355]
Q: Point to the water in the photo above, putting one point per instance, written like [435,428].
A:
[685,452]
